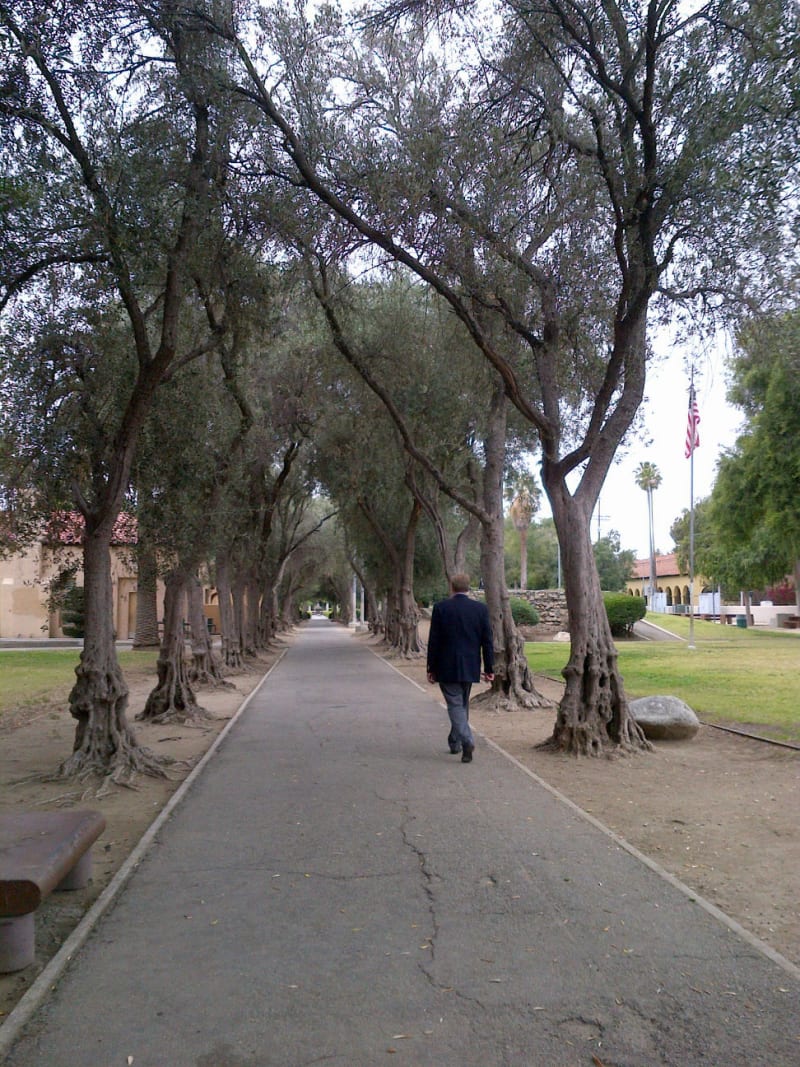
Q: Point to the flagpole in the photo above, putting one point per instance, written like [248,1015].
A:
[691,522]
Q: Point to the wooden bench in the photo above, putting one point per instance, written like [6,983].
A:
[39,852]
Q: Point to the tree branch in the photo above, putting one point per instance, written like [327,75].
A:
[322,292]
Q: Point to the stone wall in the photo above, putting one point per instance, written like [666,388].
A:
[551,605]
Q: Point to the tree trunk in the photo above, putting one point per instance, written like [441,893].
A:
[513,686]
[146,635]
[391,627]
[267,616]
[281,608]
[371,607]
[238,598]
[653,574]
[377,617]
[343,589]
[408,640]
[206,667]
[231,641]
[172,699]
[593,716]
[464,541]
[409,644]
[104,741]
[523,558]
[371,611]
[288,614]
[453,560]
[252,603]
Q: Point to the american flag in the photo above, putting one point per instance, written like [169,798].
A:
[692,434]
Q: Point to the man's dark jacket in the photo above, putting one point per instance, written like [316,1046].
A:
[460,632]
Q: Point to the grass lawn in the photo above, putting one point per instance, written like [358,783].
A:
[732,676]
[42,676]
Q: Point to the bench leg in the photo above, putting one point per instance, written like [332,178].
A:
[17,943]
[78,877]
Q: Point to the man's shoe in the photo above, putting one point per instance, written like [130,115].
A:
[454,751]
[466,753]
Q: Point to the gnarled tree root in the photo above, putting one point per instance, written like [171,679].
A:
[118,767]
[174,714]
[515,700]
[586,740]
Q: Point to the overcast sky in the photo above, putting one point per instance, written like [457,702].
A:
[623,506]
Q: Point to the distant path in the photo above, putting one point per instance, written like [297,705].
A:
[648,631]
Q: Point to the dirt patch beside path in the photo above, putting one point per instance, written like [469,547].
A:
[34,741]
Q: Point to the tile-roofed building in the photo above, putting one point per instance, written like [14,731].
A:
[671,580]
[66,528]
[27,576]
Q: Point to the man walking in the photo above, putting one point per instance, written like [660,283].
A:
[460,633]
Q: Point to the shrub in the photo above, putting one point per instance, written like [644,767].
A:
[522,612]
[73,615]
[782,594]
[623,611]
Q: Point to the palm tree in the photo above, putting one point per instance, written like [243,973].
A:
[648,477]
[523,507]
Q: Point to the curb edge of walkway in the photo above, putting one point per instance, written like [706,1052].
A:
[43,985]
[695,898]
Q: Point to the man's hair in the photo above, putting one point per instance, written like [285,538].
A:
[459,583]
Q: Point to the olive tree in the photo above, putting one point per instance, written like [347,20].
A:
[551,174]
[458,443]
[114,140]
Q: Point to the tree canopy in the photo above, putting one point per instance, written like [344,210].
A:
[753,514]
[554,173]
[484,211]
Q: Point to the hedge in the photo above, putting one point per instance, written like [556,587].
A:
[523,612]
[623,611]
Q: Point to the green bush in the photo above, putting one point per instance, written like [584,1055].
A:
[523,613]
[73,615]
[623,611]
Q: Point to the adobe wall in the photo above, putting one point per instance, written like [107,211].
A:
[23,607]
[24,582]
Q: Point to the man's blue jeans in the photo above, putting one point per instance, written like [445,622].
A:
[456,695]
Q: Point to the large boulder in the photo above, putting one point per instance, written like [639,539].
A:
[665,718]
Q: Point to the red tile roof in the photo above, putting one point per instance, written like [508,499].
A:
[66,528]
[666,567]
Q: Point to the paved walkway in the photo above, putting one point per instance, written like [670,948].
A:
[649,631]
[337,889]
